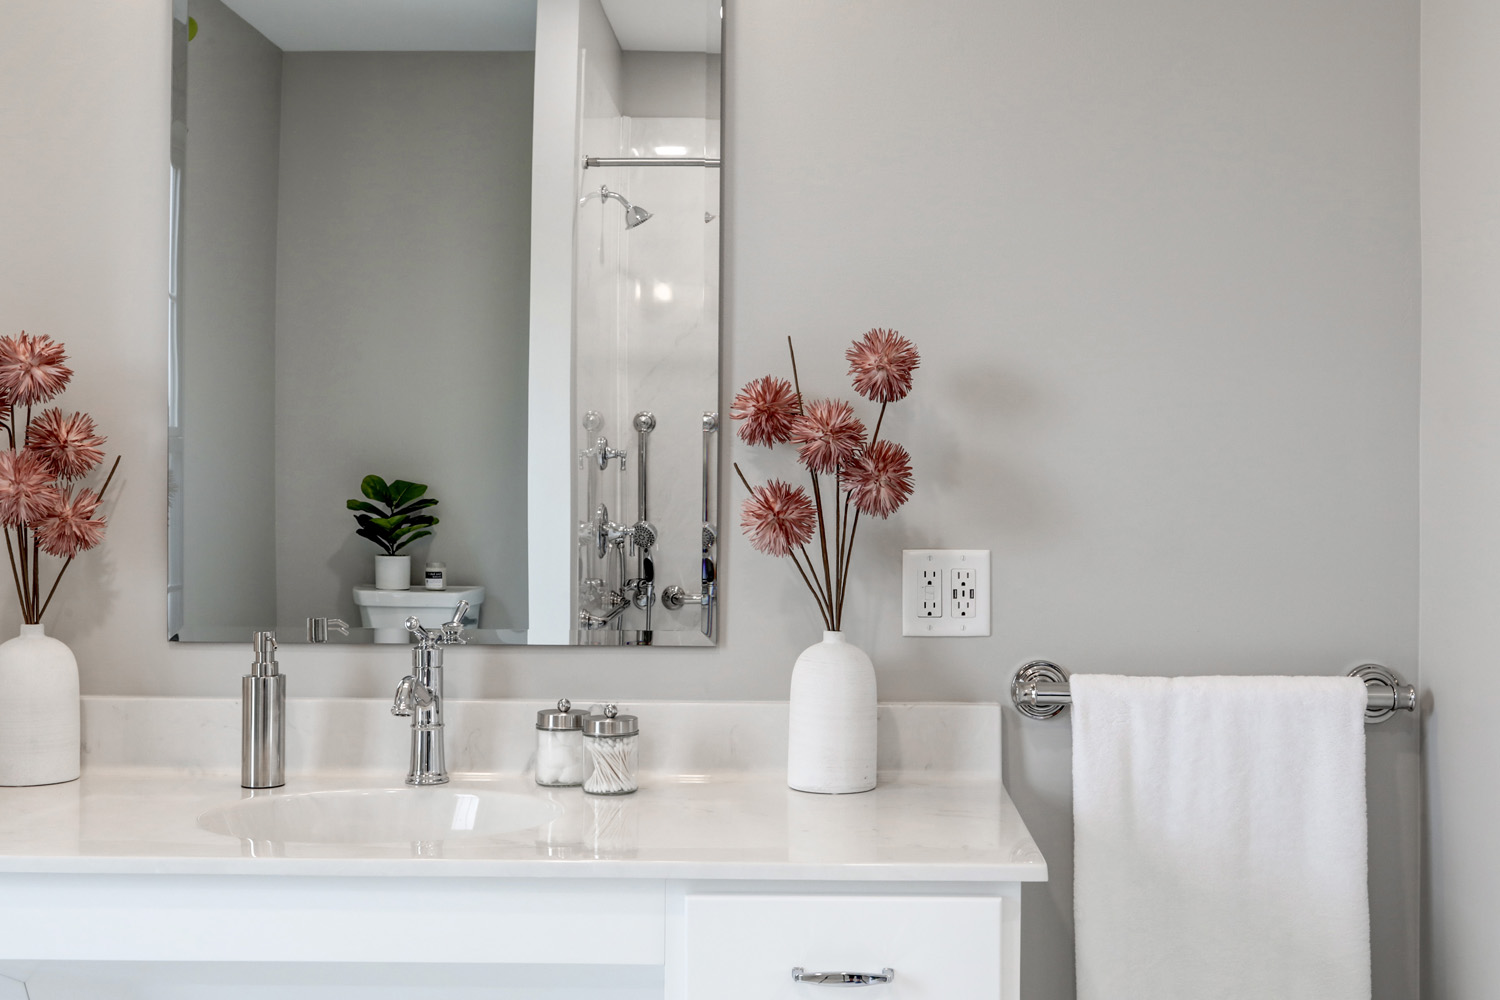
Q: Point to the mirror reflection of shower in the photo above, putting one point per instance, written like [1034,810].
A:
[634,214]
[645,344]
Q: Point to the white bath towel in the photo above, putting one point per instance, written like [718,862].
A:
[1220,838]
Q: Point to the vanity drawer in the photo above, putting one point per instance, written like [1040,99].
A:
[742,947]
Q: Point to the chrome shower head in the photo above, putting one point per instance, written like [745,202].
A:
[634,214]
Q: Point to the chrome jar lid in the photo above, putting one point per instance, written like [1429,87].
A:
[611,723]
[562,718]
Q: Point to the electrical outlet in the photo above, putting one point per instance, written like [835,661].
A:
[962,593]
[945,592]
[929,594]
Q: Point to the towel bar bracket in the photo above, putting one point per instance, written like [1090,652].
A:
[1384,692]
[1027,689]
[1039,690]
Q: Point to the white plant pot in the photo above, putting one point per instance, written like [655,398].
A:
[393,572]
[831,728]
[39,742]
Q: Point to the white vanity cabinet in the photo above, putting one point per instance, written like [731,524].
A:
[149,937]
[713,882]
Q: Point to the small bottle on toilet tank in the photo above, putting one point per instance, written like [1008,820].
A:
[437,576]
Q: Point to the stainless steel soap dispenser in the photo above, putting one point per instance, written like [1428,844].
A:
[263,719]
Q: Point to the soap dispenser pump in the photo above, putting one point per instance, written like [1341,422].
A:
[263,719]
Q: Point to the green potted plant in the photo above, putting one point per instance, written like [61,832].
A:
[389,516]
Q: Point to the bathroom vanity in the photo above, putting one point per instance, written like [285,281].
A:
[156,876]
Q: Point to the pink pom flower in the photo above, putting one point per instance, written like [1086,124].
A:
[879,480]
[32,369]
[767,408]
[27,492]
[778,517]
[71,528]
[69,446]
[829,435]
[881,363]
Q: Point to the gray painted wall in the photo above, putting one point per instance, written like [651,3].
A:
[228,320]
[403,269]
[1460,493]
[1162,262]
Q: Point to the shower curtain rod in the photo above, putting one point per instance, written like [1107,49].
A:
[1040,690]
[649,161]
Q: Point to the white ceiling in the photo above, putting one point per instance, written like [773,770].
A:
[393,25]
[665,25]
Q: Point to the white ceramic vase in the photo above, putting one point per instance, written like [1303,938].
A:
[39,742]
[831,728]
[393,572]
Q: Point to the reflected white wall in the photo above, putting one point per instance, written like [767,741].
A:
[550,457]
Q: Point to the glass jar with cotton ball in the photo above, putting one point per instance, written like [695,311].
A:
[561,761]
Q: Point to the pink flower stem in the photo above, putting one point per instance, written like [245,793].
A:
[817,500]
[25,551]
[796,382]
[822,611]
[846,548]
[102,490]
[838,534]
[848,557]
[54,587]
[15,573]
[823,544]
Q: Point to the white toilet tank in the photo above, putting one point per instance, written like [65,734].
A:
[389,609]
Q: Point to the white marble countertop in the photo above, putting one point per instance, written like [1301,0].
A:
[713,802]
[744,826]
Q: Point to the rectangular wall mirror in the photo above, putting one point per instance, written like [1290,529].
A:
[466,245]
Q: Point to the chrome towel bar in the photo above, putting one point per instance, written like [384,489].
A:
[1040,690]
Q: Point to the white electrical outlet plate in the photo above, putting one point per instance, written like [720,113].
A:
[945,592]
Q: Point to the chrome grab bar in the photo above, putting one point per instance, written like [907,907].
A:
[1040,690]
[710,425]
[707,597]
[643,532]
[644,423]
[799,975]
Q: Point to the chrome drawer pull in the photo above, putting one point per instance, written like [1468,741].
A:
[843,978]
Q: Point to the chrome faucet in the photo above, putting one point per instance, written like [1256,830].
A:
[420,695]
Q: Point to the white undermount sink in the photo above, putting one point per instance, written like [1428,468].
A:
[379,815]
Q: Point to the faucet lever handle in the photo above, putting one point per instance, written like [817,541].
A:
[425,636]
[453,630]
